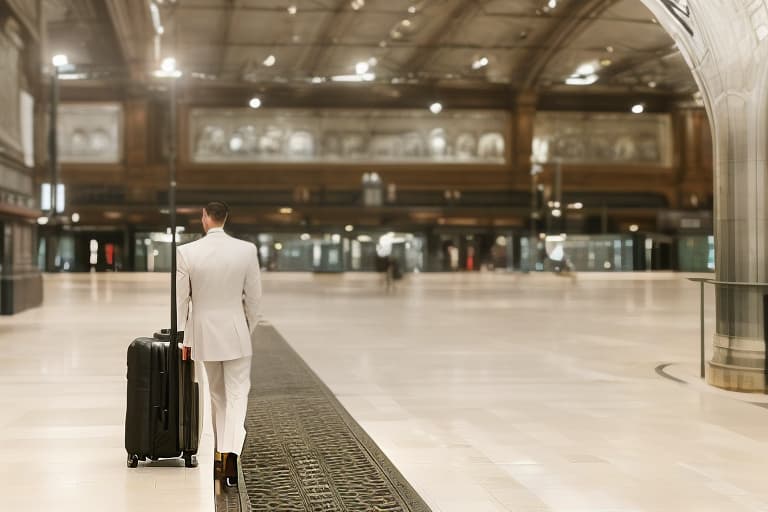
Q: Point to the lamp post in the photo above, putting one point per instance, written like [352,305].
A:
[59,61]
[168,70]
[533,239]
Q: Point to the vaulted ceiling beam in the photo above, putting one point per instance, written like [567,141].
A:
[333,27]
[632,63]
[134,31]
[571,23]
[225,29]
[462,12]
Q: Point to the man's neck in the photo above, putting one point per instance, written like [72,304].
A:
[215,229]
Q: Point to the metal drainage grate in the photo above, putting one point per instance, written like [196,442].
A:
[304,452]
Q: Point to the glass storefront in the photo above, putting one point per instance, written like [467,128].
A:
[301,252]
[334,252]
[153,250]
[366,251]
[603,253]
[696,253]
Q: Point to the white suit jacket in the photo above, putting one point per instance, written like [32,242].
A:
[219,276]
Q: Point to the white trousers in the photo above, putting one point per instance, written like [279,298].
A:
[229,383]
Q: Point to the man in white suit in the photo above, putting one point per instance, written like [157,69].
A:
[218,276]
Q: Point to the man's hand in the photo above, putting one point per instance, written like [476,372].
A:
[186,353]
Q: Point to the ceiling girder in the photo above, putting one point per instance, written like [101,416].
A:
[463,11]
[336,22]
[132,23]
[633,63]
[573,22]
[225,29]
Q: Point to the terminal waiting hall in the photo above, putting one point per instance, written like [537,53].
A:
[384,255]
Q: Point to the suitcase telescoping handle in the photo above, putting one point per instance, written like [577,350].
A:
[172,211]
[173,367]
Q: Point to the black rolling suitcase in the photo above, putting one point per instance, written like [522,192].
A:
[162,418]
[162,413]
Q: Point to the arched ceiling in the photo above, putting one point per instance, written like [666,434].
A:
[607,46]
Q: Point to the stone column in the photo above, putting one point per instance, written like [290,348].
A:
[726,44]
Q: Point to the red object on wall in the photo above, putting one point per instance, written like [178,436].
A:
[109,253]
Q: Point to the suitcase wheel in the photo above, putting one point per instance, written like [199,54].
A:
[133,460]
[190,461]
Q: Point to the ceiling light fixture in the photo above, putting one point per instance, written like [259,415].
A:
[286,210]
[168,64]
[292,10]
[73,76]
[480,63]
[638,109]
[652,84]
[203,76]
[318,79]
[367,77]
[552,4]
[581,80]
[254,102]
[362,68]
[349,228]
[357,4]
[586,69]
[436,107]
[168,69]
[406,23]
[270,61]
[584,75]
[60,60]
[412,9]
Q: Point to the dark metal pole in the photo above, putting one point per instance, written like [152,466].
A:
[172,201]
[559,182]
[559,221]
[701,309]
[53,160]
[534,215]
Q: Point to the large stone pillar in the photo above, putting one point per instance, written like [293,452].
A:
[726,44]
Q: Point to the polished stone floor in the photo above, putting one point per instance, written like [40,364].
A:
[488,392]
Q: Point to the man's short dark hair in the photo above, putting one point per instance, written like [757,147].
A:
[218,211]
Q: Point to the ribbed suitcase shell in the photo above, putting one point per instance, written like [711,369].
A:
[162,412]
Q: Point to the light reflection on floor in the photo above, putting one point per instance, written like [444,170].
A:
[489,392]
